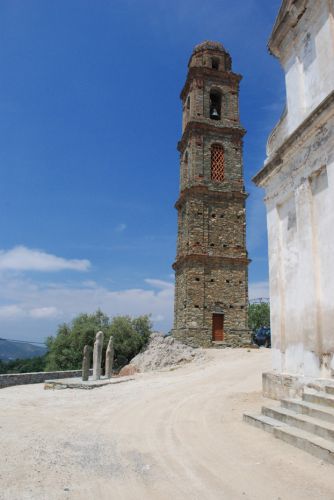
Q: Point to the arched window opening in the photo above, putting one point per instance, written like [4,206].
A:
[215,105]
[217,163]
[186,157]
[188,102]
[215,63]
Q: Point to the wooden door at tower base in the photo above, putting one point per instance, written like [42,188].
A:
[218,327]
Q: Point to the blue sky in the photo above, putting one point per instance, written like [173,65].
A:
[89,121]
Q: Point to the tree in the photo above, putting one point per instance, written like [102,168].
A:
[66,348]
[129,337]
[258,315]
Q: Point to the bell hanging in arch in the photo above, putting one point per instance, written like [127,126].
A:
[214,113]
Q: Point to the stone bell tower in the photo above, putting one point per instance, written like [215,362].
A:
[211,289]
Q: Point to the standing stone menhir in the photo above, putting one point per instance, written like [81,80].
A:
[86,362]
[97,356]
[109,358]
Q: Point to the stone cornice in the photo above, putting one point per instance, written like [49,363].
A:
[209,260]
[199,191]
[217,76]
[197,127]
[290,13]
[277,158]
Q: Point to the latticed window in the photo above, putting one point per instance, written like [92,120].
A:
[217,163]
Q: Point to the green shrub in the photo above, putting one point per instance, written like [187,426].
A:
[258,315]
[66,348]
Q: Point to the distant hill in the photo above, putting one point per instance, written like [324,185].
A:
[10,350]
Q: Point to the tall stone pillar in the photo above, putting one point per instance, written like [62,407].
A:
[109,358]
[97,356]
[86,362]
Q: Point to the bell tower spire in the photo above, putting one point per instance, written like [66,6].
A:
[211,278]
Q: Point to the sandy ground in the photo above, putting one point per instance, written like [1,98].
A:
[166,435]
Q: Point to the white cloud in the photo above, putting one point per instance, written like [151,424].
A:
[89,283]
[258,290]
[37,308]
[164,285]
[15,311]
[11,311]
[44,312]
[120,228]
[158,318]
[21,258]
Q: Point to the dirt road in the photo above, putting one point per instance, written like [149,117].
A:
[166,435]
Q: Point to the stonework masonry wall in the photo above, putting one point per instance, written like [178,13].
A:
[212,262]
[200,287]
[11,379]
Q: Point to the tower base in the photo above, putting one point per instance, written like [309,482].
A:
[200,337]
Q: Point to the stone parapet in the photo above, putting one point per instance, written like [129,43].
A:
[11,379]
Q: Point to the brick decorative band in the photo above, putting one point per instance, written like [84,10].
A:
[198,192]
[209,261]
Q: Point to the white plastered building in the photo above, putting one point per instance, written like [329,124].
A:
[298,179]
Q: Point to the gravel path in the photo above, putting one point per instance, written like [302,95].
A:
[166,435]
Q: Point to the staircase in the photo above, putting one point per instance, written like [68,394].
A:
[307,423]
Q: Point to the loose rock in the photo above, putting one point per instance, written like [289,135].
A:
[165,352]
[128,370]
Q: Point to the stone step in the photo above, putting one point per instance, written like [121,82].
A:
[303,422]
[317,397]
[325,413]
[329,389]
[262,422]
[317,446]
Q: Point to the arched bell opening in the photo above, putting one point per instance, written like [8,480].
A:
[215,105]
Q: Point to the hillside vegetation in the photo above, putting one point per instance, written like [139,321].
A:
[36,364]
[11,350]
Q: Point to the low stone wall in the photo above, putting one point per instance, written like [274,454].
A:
[35,378]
